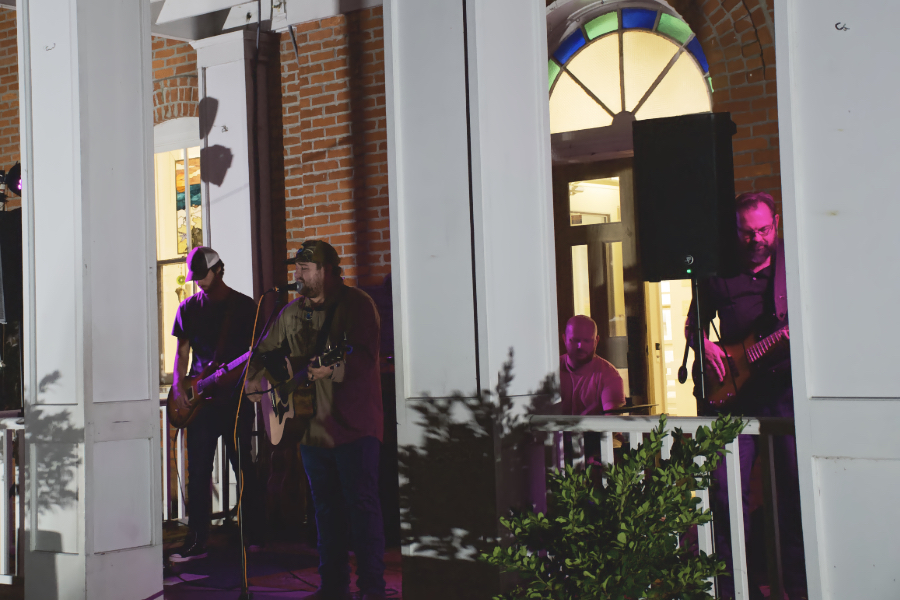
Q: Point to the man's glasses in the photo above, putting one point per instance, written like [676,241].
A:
[750,234]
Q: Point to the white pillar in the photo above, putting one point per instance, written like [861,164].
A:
[92,451]
[472,258]
[240,223]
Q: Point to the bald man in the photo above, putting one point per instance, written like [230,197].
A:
[589,385]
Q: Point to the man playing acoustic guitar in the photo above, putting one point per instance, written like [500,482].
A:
[217,324]
[751,304]
[341,437]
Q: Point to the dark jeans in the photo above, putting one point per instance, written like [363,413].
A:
[344,484]
[788,494]
[212,421]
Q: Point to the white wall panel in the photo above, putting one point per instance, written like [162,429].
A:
[114,195]
[845,87]
[429,192]
[125,509]
[56,494]
[229,203]
[57,243]
[858,546]
[514,215]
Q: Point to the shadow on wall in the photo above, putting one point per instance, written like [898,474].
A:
[53,448]
[214,160]
[477,458]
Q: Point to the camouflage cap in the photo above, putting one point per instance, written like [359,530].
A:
[316,251]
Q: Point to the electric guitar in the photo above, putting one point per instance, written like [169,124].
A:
[291,394]
[203,388]
[740,362]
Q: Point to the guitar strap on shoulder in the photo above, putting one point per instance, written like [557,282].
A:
[322,335]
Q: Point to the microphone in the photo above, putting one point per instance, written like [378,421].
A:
[291,287]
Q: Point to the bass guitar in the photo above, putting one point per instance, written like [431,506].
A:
[203,388]
[291,394]
[740,363]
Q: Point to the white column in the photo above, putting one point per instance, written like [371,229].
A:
[472,259]
[838,150]
[240,223]
[93,526]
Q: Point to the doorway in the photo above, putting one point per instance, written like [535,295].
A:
[598,274]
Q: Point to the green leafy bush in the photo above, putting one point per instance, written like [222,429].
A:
[621,542]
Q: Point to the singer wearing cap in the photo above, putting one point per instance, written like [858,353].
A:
[341,442]
[217,324]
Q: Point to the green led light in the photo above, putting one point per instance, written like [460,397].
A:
[688,270]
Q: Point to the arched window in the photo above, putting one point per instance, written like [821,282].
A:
[647,63]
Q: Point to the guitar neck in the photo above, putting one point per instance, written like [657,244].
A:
[227,368]
[759,349]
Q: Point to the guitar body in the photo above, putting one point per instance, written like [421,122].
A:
[295,396]
[721,394]
[740,361]
[201,389]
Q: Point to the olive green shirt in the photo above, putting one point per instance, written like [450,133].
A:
[349,405]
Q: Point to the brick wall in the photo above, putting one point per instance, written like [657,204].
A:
[333,146]
[9,95]
[738,37]
[175,86]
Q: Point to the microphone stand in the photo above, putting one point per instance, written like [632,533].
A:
[245,592]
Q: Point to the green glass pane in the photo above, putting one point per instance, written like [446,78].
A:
[554,71]
[674,28]
[602,24]
[709,80]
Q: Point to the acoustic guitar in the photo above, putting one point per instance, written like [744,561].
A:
[290,394]
[741,361]
[204,388]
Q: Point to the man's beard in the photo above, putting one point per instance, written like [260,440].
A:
[758,253]
[310,289]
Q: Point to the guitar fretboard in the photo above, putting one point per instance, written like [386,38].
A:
[230,366]
[759,349]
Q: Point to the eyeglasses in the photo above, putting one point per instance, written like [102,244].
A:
[750,234]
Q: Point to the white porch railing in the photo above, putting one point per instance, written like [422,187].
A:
[174,471]
[634,429]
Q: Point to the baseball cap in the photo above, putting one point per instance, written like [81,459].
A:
[200,261]
[316,251]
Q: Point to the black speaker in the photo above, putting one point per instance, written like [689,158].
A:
[684,195]
[10,266]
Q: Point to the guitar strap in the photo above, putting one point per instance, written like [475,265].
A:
[322,335]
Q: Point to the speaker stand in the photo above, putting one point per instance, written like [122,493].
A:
[701,339]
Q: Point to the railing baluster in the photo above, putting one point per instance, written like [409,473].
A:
[4,503]
[736,512]
[770,505]
[704,532]
[578,451]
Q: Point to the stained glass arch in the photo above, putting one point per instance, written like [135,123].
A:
[644,62]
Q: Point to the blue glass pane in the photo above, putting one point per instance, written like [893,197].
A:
[638,18]
[569,46]
[694,48]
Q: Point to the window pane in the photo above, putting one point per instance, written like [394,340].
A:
[682,91]
[181,205]
[571,109]
[602,25]
[695,49]
[595,201]
[553,69]
[638,18]
[173,289]
[615,273]
[597,67]
[646,55]
[674,28]
[569,46]
[580,282]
